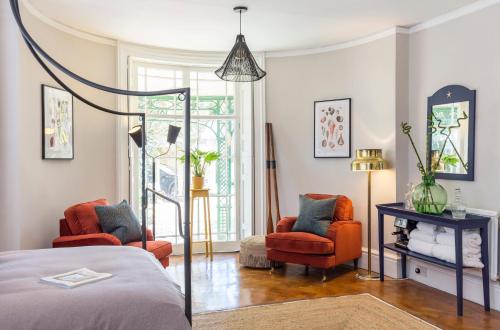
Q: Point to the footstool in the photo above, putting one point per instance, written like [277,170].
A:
[253,252]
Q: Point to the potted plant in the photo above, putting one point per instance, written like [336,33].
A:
[429,196]
[199,160]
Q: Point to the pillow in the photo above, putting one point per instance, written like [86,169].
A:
[315,216]
[120,221]
[82,219]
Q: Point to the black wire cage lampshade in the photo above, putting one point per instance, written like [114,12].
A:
[240,65]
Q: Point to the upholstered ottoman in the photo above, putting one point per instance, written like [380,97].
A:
[253,252]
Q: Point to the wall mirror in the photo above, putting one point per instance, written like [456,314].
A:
[450,132]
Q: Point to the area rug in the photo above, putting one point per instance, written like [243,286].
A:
[362,311]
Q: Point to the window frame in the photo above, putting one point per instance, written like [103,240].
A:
[126,52]
[236,116]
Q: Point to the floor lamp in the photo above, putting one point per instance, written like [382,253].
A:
[173,133]
[368,160]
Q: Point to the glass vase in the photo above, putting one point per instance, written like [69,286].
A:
[429,197]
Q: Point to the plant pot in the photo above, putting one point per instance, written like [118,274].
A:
[197,182]
[429,197]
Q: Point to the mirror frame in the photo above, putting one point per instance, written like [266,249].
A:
[454,94]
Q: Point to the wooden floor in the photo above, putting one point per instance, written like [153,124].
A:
[223,284]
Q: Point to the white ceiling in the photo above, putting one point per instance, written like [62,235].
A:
[269,25]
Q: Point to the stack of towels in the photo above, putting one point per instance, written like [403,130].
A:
[439,242]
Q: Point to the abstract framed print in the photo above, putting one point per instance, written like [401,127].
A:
[332,128]
[57,124]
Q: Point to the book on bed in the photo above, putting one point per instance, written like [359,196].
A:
[75,278]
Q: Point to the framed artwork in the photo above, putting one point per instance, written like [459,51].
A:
[332,129]
[57,124]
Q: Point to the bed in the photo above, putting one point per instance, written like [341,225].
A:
[140,295]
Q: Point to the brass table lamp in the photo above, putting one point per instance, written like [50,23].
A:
[368,160]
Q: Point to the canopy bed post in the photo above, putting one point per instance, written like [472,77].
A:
[187,176]
[143,178]
[36,51]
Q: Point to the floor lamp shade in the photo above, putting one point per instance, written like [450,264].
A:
[368,160]
[136,135]
[173,133]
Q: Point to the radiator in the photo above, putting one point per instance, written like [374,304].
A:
[492,242]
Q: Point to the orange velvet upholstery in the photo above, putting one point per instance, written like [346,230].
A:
[85,240]
[73,233]
[299,242]
[343,206]
[343,243]
[160,249]
[82,218]
[324,261]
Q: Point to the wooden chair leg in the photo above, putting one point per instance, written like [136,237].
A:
[323,279]
[307,270]
[272,267]
[356,261]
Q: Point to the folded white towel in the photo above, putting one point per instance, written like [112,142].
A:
[447,253]
[449,230]
[470,239]
[426,227]
[423,236]
[466,252]
[418,246]
[440,229]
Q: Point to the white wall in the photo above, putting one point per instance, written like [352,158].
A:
[365,73]
[35,192]
[463,51]
[388,80]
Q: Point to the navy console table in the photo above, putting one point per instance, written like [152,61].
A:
[471,221]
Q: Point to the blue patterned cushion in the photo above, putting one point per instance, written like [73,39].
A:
[315,215]
[119,220]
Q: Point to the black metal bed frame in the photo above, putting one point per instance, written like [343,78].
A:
[36,51]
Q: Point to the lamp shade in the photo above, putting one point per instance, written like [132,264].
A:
[368,160]
[136,135]
[240,65]
[173,133]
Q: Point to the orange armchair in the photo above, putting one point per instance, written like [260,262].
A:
[81,228]
[342,244]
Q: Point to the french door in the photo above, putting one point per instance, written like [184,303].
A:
[216,110]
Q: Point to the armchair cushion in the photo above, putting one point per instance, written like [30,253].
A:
[85,240]
[299,242]
[315,215]
[82,218]
[119,220]
[343,207]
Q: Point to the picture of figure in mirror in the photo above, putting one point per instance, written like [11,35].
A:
[450,128]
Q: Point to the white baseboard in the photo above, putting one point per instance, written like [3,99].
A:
[435,276]
[392,266]
[218,247]
[444,280]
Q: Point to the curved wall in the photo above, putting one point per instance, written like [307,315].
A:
[366,74]
[465,52]
[35,192]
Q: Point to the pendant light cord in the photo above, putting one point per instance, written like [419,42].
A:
[240,21]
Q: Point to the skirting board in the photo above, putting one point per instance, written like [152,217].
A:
[435,276]
[178,249]
[392,266]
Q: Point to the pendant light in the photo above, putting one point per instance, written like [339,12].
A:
[240,65]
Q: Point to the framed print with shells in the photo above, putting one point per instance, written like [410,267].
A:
[332,129]
[57,123]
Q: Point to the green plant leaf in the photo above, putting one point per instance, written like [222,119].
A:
[199,159]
